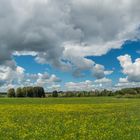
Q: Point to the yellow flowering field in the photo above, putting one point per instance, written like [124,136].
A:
[101,118]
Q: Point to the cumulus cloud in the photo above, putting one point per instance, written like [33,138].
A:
[9,75]
[89,85]
[51,28]
[79,86]
[54,87]
[131,69]
[128,84]
[62,33]
[123,80]
[44,79]
[10,78]
[104,83]
[103,80]
[99,71]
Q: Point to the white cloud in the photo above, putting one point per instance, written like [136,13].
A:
[54,87]
[89,85]
[131,69]
[44,79]
[103,81]
[10,78]
[108,72]
[121,85]
[123,80]
[57,30]
[62,33]
[24,53]
[79,86]
[8,75]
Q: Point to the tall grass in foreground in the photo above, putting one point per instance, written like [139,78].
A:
[101,118]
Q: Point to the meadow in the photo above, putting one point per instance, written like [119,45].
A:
[91,118]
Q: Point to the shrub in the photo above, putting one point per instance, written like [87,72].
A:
[30,92]
[38,92]
[11,92]
[55,94]
[20,93]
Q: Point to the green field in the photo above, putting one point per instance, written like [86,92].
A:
[100,118]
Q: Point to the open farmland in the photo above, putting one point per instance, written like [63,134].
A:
[100,118]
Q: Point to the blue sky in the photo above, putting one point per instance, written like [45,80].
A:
[69,45]
[109,61]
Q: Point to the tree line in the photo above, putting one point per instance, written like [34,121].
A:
[26,92]
[126,92]
[39,92]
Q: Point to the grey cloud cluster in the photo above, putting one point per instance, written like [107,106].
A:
[99,71]
[62,33]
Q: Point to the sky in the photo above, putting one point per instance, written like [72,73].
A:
[70,45]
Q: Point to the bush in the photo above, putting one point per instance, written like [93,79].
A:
[20,93]
[69,94]
[11,92]
[30,92]
[38,92]
[55,94]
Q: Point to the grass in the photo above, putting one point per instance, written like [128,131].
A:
[101,118]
